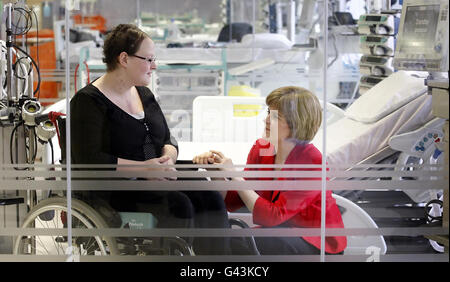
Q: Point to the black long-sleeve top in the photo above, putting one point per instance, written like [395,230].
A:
[102,132]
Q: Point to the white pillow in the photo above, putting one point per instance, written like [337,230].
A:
[266,41]
[385,97]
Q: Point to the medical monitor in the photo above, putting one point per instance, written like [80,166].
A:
[422,43]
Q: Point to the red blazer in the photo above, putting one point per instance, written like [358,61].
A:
[291,208]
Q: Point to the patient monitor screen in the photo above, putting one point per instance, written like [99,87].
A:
[419,28]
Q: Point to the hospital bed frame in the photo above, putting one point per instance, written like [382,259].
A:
[400,152]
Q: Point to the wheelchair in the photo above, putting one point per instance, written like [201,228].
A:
[51,213]
[49,216]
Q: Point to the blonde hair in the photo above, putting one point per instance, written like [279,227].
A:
[300,108]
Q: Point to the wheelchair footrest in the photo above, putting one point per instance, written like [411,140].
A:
[136,220]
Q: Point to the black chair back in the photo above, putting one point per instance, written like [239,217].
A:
[238,30]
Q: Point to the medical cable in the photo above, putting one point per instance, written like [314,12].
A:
[37,39]
[23,78]
[53,153]
[19,30]
[28,22]
[54,117]
[37,69]
[11,145]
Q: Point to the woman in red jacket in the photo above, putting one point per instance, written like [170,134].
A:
[294,116]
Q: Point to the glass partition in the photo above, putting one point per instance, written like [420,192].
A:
[213,131]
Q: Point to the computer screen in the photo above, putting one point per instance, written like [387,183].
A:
[419,28]
[422,42]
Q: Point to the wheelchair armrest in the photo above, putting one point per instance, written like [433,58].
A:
[238,222]
[250,240]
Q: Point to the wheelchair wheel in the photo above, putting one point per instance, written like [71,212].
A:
[52,214]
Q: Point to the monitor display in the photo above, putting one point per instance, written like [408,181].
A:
[373,18]
[422,42]
[419,29]
[373,39]
[375,60]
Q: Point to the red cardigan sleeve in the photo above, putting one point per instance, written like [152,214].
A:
[288,205]
[232,199]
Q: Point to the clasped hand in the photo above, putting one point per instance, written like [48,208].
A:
[161,161]
[214,157]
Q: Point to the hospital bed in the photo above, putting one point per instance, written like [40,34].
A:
[396,106]
[394,117]
[392,121]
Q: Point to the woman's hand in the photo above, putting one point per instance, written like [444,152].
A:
[161,161]
[214,157]
[249,197]
[205,158]
[169,161]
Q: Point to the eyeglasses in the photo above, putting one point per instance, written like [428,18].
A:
[274,114]
[150,60]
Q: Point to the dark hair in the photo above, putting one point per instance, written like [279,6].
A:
[123,38]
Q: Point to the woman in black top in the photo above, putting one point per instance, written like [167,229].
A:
[116,120]
[114,135]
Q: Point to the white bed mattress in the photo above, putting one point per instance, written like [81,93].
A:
[349,141]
